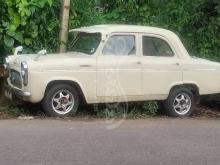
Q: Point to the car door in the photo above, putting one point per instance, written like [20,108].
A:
[161,65]
[119,67]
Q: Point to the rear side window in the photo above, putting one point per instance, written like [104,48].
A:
[156,47]
[120,45]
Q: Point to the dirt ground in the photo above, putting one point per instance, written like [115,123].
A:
[208,109]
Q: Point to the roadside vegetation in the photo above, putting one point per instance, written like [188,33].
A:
[35,24]
[114,111]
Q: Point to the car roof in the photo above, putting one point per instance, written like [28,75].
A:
[114,28]
[107,29]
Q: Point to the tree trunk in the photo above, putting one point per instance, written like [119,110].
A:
[1,80]
[64,24]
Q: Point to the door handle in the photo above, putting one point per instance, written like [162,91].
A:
[177,64]
[85,66]
[139,62]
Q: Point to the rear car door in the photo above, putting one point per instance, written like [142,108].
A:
[161,65]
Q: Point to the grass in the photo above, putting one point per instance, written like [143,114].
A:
[116,111]
[129,111]
[105,111]
[9,109]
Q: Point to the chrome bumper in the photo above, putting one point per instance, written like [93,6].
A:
[12,93]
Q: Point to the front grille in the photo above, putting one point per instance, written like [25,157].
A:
[15,78]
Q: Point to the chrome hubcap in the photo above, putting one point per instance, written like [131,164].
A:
[63,102]
[182,104]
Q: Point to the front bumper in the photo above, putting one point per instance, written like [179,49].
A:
[13,93]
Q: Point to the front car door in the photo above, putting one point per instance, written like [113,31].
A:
[119,74]
[161,66]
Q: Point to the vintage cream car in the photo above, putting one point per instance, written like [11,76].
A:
[113,63]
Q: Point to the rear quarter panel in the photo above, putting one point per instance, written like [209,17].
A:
[203,73]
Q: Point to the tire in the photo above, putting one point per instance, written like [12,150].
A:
[180,103]
[61,101]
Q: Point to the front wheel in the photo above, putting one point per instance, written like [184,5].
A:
[180,103]
[61,101]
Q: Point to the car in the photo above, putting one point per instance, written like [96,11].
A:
[110,64]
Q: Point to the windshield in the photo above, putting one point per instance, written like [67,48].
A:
[84,42]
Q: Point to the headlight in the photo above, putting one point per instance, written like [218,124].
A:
[6,67]
[24,72]
[6,63]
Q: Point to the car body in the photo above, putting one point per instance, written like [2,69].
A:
[115,63]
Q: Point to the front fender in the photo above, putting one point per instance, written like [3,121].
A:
[38,84]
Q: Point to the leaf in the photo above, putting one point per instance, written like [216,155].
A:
[27,41]
[11,33]
[12,28]
[19,37]
[16,20]
[9,42]
[50,2]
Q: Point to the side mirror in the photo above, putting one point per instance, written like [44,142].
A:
[18,49]
[42,52]
[39,54]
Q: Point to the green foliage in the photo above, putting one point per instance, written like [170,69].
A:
[84,13]
[14,109]
[7,109]
[151,108]
[129,110]
[35,24]
[197,22]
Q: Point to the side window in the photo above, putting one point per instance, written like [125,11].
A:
[120,45]
[156,47]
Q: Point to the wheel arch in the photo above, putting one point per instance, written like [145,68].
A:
[192,87]
[73,84]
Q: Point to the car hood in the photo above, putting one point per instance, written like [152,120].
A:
[62,61]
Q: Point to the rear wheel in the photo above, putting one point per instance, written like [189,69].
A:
[61,101]
[180,103]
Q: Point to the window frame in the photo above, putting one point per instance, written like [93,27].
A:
[77,33]
[157,37]
[136,37]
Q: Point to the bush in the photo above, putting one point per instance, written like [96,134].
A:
[128,110]
[35,24]
[197,22]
